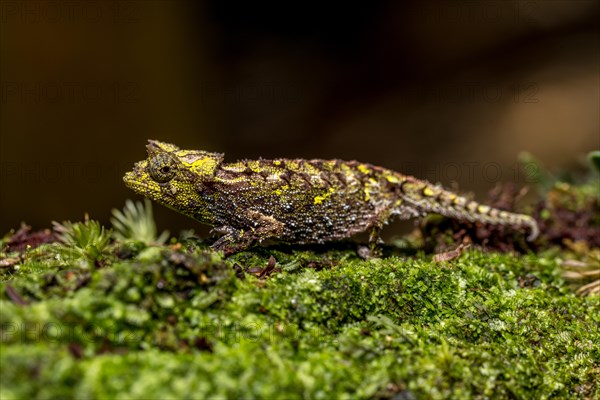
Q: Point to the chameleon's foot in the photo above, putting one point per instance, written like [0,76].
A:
[230,244]
[232,241]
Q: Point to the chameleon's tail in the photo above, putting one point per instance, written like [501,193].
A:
[428,198]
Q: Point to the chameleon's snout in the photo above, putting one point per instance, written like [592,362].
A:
[129,178]
[135,176]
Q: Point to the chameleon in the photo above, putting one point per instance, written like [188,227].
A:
[296,201]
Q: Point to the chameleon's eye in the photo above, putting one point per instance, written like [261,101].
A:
[162,168]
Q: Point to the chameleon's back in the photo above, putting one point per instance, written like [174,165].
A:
[316,200]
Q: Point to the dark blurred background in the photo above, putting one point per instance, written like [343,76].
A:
[447,91]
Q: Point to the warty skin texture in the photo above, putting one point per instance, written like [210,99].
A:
[295,200]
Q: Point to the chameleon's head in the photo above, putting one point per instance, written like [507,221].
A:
[174,177]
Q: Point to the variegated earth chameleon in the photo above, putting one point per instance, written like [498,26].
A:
[296,200]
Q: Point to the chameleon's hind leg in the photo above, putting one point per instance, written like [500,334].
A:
[400,211]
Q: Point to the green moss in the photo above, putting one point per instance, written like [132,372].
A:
[169,322]
[88,316]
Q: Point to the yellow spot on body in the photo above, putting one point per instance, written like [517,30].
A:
[392,179]
[483,209]
[278,163]
[459,201]
[203,166]
[364,169]
[254,165]
[320,198]
[292,165]
[328,165]
[367,194]
[279,191]
[427,191]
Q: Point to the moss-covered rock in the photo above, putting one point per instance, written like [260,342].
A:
[176,321]
[87,312]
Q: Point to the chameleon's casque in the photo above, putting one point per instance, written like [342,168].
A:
[295,200]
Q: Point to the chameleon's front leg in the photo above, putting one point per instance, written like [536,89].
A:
[232,239]
[375,241]
[256,228]
[381,217]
